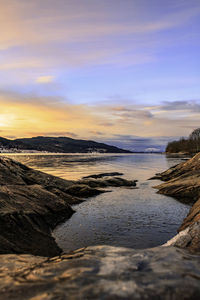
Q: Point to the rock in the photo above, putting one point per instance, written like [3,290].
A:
[182,181]
[107,181]
[189,231]
[188,238]
[13,172]
[28,211]
[102,272]
[27,216]
[103,175]
[192,217]
[32,203]
[83,190]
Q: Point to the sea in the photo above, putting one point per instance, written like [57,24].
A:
[135,218]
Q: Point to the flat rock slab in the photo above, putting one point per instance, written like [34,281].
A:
[101,175]
[102,272]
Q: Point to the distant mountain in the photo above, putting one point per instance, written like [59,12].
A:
[59,145]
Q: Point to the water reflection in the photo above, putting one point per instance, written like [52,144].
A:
[75,166]
[133,218]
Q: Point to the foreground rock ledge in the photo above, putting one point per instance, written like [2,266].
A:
[102,272]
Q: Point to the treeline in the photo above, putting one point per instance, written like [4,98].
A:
[186,145]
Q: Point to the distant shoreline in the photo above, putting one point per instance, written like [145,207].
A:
[78,153]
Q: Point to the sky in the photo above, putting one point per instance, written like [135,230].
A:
[125,72]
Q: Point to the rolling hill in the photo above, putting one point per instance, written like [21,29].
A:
[59,145]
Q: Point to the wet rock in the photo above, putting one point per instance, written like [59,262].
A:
[107,181]
[83,190]
[103,175]
[117,181]
[102,272]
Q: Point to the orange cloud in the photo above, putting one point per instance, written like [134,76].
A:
[25,116]
[28,115]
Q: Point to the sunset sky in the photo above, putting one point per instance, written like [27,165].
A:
[125,72]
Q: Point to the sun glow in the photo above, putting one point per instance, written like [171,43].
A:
[7,120]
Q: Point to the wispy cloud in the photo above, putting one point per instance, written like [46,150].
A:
[54,31]
[54,134]
[45,79]
[191,106]
[35,22]
[96,133]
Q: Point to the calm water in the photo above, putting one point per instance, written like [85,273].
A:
[136,218]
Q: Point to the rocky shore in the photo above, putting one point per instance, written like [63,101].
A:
[183,183]
[32,203]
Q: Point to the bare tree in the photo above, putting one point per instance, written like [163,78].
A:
[187,145]
[194,138]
